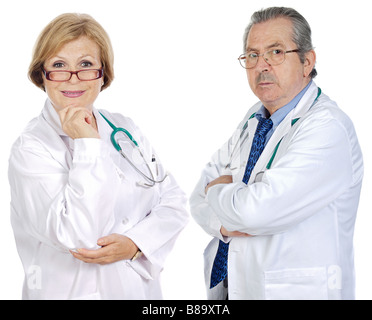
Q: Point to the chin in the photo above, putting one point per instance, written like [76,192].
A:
[69,102]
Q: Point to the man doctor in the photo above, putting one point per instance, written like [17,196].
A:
[281,195]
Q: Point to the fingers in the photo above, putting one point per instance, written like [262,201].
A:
[114,247]
[75,115]
[99,256]
[71,110]
[225,179]
[77,122]
[239,234]
[227,233]
[104,241]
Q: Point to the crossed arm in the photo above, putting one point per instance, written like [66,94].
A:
[225,179]
[116,247]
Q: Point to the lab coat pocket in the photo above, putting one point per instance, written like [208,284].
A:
[296,284]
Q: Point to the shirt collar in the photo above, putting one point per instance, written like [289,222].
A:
[278,116]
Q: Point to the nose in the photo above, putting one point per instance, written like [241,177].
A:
[74,78]
[262,64]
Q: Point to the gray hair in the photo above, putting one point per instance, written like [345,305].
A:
[301,29]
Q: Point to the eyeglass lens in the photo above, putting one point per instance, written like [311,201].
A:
[273,57]
[82,75]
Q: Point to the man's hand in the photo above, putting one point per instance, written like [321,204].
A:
[227,233]
[223,179]
[226,179]
[115,247]
[78,122]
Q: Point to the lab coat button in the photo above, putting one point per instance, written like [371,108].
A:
[124,221]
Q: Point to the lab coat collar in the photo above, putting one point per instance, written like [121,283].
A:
[281,113]
[302,107]
[52,117]
[103,127]
[306,102]
[58,144]
[50,133]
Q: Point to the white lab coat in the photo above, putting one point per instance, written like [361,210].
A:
[300,213]
[65,194]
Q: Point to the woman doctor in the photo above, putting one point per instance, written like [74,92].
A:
[75,198]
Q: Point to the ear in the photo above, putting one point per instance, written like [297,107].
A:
[309,64]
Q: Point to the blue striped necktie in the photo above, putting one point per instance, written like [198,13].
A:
[219,269]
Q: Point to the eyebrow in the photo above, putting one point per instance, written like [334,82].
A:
[84,56]
[275,44]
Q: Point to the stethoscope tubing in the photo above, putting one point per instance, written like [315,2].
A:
[244,129]
[152,179]
[116,130]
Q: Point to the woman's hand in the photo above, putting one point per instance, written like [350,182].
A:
[115,247]
[78,122]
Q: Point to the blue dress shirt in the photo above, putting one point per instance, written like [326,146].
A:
[278,116]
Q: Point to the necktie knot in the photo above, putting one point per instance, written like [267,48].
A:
[264,126]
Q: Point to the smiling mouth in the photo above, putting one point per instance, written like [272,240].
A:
[72,94]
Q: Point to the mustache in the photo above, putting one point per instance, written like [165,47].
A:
[265,77]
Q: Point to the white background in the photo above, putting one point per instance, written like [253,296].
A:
[178,77]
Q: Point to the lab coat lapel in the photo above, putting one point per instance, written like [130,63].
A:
[246,147]
[252,126]
[283,129]
[262,161]
[56,144]
[306,102]
[103,128]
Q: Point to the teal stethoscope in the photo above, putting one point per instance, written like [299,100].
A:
[150,180]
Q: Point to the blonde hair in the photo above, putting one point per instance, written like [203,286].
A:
[63,29]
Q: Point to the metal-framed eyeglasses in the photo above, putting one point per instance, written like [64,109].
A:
[82,75]
[273,57]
